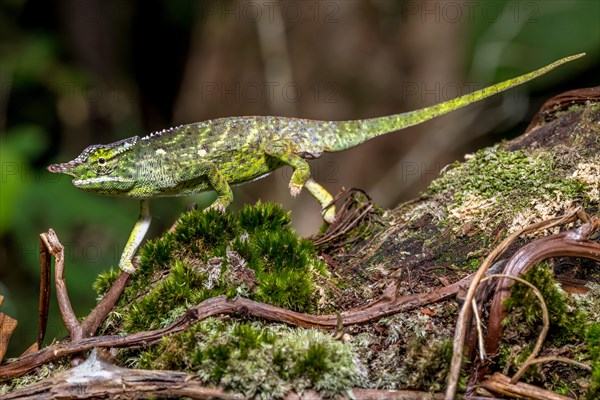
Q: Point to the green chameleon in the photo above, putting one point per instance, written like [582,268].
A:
[215,154]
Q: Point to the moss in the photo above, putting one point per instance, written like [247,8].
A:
[206,231]
[254,253]
[433,365]
[473,264]
[256,360]
[594,389]
[313,363]
[593,342]
[513,356]
[410,350]
[39,374]
[181,289]
[567,323]
[590,303]
[593,339]
[265,217]
[288,289]
[104,281]
[463,252]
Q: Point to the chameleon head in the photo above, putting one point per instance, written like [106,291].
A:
[102,169]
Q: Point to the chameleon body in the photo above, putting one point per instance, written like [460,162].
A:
[215,154]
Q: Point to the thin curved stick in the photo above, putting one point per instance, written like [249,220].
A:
[479,330]
[44,301]
[565,360]
[55,248]
[498,383]
[545,318]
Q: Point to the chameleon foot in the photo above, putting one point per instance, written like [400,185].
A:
[220,204]
[127,266]
[295,189]
[329,215]
[214,206]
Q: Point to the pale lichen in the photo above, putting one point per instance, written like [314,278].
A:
[589,173]
[514,187]
[260,360]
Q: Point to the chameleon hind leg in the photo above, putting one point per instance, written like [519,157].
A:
[135,238]
[301,176]
[283,152]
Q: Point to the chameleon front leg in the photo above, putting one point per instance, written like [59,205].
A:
[221,186]
[135,238]
[202,172]
[301,176]
[210,172]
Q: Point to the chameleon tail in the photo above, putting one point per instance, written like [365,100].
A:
[352,133]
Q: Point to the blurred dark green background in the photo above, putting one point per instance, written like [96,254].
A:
[75,73]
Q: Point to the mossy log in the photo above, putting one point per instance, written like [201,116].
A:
[245,308]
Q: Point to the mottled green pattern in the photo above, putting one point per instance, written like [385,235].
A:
[214,154]
[181,160]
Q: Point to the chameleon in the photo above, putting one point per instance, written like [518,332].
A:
[218,153]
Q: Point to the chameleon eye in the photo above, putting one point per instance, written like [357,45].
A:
[101,161]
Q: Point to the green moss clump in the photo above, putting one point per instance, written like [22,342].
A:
[206,231]
[593,338]
[256,360]
[263,217]
[430,362]
[104,281]
[593,342]
[567,324]
[255,254]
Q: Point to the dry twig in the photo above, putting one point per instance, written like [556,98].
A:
[77,331]
[44,302]
[7,326]
[499,383]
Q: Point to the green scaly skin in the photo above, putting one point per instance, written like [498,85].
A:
[214,154]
